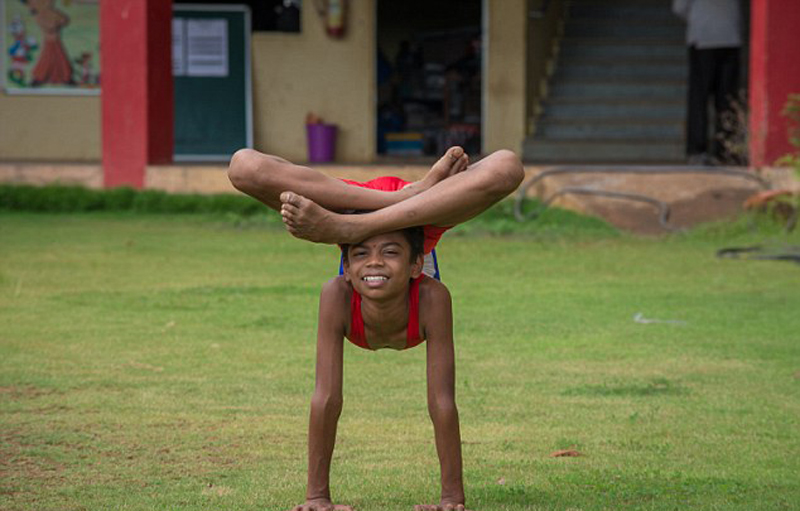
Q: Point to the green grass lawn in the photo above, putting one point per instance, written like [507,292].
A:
[166,363]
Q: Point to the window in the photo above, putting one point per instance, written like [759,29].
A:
[266,15]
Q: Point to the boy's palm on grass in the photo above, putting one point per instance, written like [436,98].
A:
[323,505]
[440,507]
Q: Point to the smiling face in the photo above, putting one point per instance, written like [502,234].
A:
[382,266]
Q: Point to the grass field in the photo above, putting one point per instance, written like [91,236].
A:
[166,363]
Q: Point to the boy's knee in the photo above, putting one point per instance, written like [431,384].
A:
[508,171]
[243,168]
[239,167]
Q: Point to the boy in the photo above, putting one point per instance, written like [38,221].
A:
[382,300]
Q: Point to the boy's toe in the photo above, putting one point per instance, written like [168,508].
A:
[455,152]
[291,198]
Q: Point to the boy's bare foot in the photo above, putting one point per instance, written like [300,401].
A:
[308,220]
[453,161]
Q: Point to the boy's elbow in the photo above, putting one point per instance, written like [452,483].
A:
[442,407]
[327,403]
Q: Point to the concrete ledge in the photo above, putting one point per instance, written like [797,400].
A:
[89,175]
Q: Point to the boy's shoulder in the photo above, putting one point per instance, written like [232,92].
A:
[334,302]
[336,288]
[432,291]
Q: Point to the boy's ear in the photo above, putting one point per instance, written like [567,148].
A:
[417,265]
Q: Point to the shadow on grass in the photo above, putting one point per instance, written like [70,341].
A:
[655,387]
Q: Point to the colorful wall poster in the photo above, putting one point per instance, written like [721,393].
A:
[51,46]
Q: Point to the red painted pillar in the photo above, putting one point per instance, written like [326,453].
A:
[774,74]
[137,107]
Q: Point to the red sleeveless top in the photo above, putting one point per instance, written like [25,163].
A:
[357,334]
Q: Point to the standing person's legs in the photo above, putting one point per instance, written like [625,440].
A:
[264,177]
[700,82]
[447,203]
[726,92]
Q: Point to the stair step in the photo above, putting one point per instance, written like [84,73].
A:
[597,28]
[602,151]
[624,41]
[630,129]
[621,12]
[609,109]
[571,70]
[663,4]
[655,89]
[619,49]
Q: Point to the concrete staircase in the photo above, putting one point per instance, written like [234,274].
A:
[618,92]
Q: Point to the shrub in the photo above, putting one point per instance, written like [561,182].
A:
[68,199]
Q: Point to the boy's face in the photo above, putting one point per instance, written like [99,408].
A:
[381,266]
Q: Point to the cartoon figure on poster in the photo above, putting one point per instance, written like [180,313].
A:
[84,70]
[20,52]
[53,65]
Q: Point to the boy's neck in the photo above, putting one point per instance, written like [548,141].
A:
[385,315]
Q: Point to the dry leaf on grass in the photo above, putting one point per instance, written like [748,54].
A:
[565,453]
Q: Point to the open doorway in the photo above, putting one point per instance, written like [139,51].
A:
[429,77]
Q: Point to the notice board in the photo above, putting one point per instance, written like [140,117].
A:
[212,81]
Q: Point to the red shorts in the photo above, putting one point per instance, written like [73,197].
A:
[392,184]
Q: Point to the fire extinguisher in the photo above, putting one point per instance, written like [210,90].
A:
[333,14]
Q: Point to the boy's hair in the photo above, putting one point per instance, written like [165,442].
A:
[415,236]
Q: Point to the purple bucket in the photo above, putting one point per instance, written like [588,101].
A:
[321,142]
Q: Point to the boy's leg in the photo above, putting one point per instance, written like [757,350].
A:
[448,202]
[264,177]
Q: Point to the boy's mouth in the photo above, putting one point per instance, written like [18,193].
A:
[374,280]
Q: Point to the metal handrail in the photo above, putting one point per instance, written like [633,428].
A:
[663,207]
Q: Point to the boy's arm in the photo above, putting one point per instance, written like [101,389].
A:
[441,392]
[326,403]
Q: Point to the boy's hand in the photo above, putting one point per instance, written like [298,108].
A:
[321,505]
[444,506]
